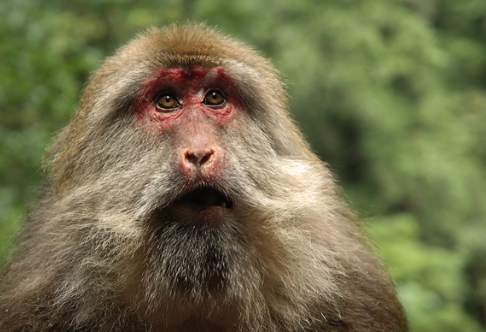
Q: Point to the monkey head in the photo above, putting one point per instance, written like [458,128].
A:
[182,196]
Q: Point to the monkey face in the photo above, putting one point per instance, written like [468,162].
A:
[193,107]
[196,230]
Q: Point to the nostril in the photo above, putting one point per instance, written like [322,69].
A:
[206,157]
[191,158]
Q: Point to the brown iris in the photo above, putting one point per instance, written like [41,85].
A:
[166,102]
[214,98]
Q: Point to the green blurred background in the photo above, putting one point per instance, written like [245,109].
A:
[392,93]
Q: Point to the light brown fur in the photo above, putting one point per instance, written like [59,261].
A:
[93,256]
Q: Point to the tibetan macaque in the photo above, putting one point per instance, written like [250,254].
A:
[182,197]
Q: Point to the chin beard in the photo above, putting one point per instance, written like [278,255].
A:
[200,260]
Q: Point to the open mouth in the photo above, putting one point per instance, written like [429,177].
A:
[206,197]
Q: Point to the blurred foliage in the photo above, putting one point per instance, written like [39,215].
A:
[392,94]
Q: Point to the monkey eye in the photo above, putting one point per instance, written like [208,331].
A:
[166,102]
[214,98]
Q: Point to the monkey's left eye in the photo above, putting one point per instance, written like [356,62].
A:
[166,102]
[214,98]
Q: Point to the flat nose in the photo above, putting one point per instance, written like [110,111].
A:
[203,162]
[197,158]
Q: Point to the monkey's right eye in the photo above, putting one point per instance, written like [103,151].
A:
[166,102]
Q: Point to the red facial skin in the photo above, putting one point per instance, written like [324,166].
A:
[194,125]
[190,87]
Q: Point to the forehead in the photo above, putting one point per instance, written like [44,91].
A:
[177,66]
[183,75]
[178,73]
